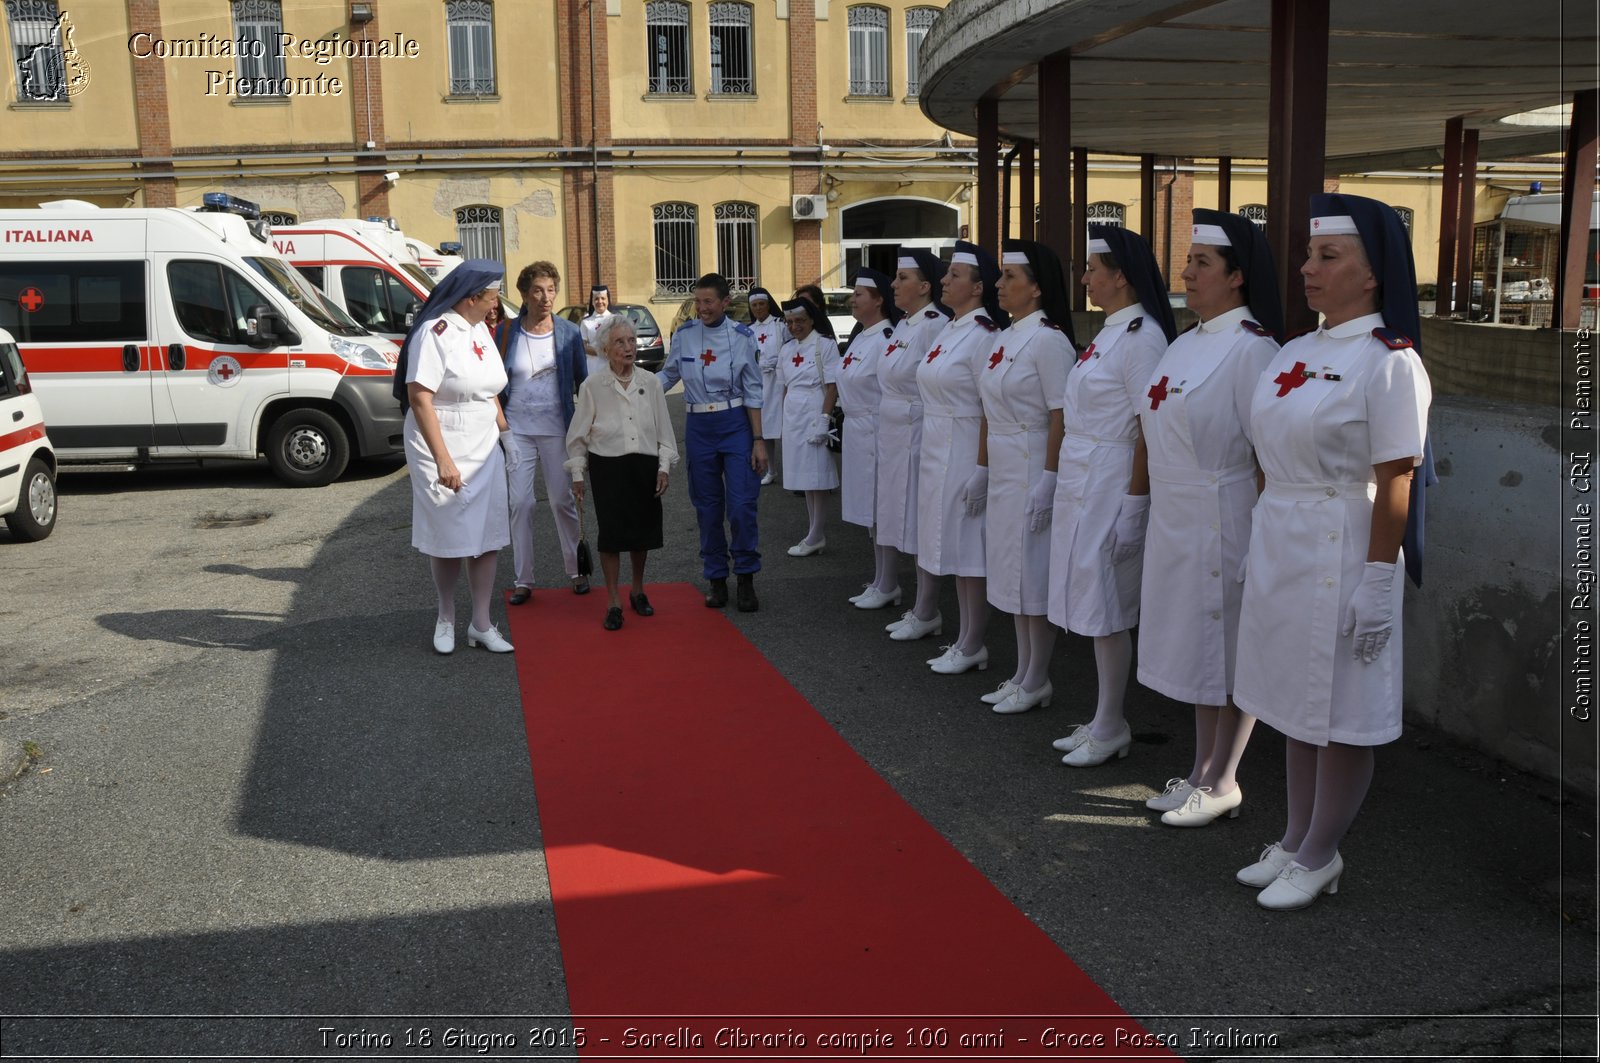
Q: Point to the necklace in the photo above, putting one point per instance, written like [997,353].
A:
[624,381]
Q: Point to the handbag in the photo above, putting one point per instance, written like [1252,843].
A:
[585,559]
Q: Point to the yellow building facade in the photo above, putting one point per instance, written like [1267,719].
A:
[636,142]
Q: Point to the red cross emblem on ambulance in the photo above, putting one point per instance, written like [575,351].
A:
[30,299]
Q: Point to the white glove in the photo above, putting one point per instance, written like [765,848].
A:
[976,491]
[821,431]
[1127,535]
[1041,503]
[508,443]
[1370,614]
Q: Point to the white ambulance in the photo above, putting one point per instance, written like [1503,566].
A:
[435,261]
[161,333]
[363,266]
[27,462]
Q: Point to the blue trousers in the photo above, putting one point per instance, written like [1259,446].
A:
[722,485]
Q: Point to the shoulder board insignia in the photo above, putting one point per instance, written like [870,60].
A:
[1395,341]
[931,313]
[985,322]
[1135,324]
[742,329]
[888,330]
[439,326]
[691,323]
[1047,323]
[1255,327]
[1192,326]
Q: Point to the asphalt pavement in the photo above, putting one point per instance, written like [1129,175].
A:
[254,791]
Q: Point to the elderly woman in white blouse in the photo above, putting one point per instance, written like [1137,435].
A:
[621,445]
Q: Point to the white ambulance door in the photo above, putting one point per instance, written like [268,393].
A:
[378,300]
[86,335]
[215,380]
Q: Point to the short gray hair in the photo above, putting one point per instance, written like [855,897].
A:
[602,335]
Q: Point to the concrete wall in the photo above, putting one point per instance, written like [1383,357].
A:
[1512,363]
[1482,635]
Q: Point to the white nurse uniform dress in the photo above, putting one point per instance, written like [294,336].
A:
[805,368]
[860,394]
[949,541]
[900,427]
[770,335]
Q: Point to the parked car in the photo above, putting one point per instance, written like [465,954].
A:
[738,309]
[651,344]
[27,461]
[838,310]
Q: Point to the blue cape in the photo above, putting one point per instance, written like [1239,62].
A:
[469,278]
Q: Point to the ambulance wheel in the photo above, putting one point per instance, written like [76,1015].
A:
[307,448]
[35,515]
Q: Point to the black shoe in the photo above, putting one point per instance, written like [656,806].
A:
[748,602]
[641,604]
[613,619]
[580,585]
[717,596]
[520,595]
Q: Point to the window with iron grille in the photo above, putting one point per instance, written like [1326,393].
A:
[732,50]
[869,50]
[677,250]
[278,217]
[1406,215]
[470,29]
[479,229]
[738,249]
[666,36]
[918,22]
[1256,213]
[36,50]
[259,64]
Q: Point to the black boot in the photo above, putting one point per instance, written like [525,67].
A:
[747,593]
[717,596]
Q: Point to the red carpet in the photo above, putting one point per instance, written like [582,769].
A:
[721,860]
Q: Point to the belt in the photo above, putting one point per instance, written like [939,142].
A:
[1179,474]
[1101,441]
[951,411]
[1013,428]
[1321,492]
[715,407]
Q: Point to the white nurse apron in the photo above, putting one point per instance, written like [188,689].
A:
[770,336]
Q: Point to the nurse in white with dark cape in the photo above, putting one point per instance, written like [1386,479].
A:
[1202,487]
[1021,387]
[916,290]
[949,517]
[872,305]
[1339,421]
[767,323]
[808,374]
[448,378]
[1102,495]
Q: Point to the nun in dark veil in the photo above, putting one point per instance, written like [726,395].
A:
[458,445]
[766,321]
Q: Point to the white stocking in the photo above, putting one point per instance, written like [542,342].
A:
[480,577]
[973,598]
[1113,655]
[927,595]
[446,570]
[1041,641]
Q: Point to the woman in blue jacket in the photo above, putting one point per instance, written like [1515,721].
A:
[544,365]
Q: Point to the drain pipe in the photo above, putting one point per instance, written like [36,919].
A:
[1005,194]
[594,153]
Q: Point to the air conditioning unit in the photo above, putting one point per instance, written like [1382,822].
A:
[809,208]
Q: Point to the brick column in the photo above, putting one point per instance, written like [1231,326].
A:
[1176,245]
[804,180]
[588,204]
[366,103]
[151,116]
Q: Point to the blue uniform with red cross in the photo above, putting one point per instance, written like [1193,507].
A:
[721,382]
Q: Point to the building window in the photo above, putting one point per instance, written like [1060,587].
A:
[732,51]
[918,21]
[470,28]
[869,51]
[480,232]
[1406,214]
[256,26]
[1107,213]
[677,250]
[1256,213]
[738,249]
[666,35]
[36,50]
[278,217]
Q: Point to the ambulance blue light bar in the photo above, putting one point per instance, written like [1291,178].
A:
[222,203]
[450,247]
[392,223]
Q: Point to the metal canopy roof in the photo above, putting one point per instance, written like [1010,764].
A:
[1192,78]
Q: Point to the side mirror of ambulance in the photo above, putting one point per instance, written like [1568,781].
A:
[411,313]
[265,328]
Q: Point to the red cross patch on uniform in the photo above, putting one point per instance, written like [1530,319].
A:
[996,357]
[936,352]
[1088,352]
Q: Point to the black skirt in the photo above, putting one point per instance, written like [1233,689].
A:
[625,502]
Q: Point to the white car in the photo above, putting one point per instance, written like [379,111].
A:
[27,462]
